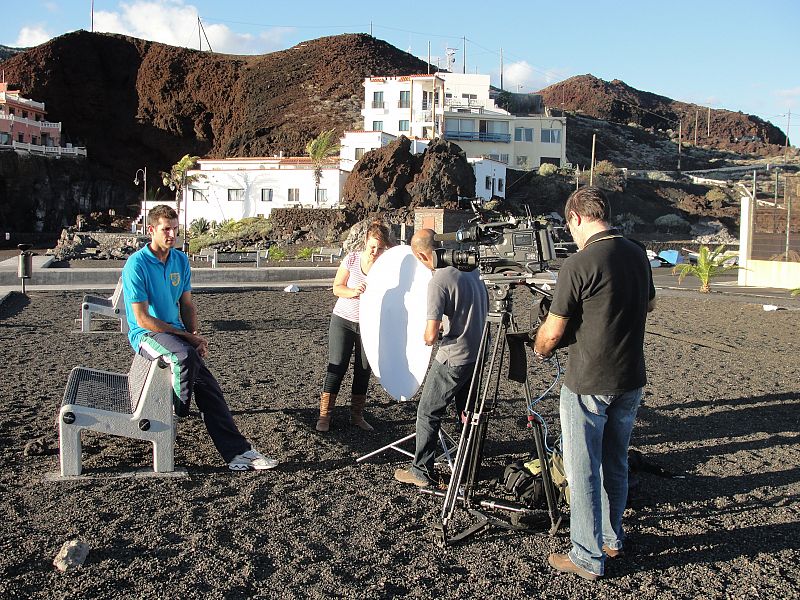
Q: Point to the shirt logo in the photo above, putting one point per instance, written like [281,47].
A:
[175,278]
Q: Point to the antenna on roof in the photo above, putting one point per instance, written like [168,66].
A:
[451,57]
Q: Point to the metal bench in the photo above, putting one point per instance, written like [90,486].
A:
[137,405]
[253,256]
[206,254]
[331,254]
[113,307]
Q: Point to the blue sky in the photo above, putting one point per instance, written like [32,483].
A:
[725,54]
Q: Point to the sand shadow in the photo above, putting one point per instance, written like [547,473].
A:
[13,305]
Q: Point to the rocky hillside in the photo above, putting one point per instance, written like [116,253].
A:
[617,102]
[8,52]
[131,101]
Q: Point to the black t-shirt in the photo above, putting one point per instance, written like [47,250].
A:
[604,290]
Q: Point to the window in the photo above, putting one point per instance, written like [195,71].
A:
[24,114]
[523,134]
[235,195]
[377,99]
[402,125]
[551,136]
[469,97]
[322,196]
[11,110]
[359,153]
[522,161]
[266,194]
[294,195]
[21,137]
[500,157]
[198,196]
[377,126]
[500,183]
[488,182]
[405,100]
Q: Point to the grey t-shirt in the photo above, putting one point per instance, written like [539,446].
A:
[459,300]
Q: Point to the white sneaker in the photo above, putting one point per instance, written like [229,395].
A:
[252,460]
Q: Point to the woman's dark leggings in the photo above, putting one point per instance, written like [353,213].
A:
[343,338]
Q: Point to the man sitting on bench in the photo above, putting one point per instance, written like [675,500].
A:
[163,322]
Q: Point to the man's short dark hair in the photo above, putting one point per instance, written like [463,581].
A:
[162,211]
[589,202]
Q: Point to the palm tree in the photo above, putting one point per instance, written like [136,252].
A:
[709,265]
[318,149]
[176,179]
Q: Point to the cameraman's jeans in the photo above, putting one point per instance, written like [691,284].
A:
[596,432]
[442,385]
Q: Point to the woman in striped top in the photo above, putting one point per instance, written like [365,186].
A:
[343,334]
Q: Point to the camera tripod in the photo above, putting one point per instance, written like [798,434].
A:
[481,403]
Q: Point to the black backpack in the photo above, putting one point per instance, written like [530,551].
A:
[523,479]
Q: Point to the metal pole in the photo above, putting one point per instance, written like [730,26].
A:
[708,126]
[144,202]
[501,69]
[696,113]
[680,135]
[591,171]
[787,203]
[786,146]
[464,68]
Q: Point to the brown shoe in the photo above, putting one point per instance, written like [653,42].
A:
[407,476]
[563,563]
[611,553]
[357,413]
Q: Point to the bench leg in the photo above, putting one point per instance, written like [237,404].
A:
[69,449]
[86,319]
[164,452]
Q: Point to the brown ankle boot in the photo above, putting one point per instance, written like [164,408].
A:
[326,404]
[357,413]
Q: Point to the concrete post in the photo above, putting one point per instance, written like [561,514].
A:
[745,237]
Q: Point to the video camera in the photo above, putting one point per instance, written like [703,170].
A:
[498,246]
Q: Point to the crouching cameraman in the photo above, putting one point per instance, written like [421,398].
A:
[603,295]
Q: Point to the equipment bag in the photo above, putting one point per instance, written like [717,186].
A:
[523,479]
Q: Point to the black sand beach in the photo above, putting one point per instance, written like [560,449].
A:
[722,408]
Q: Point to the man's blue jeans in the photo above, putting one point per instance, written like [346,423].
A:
[443,384]
[596,431]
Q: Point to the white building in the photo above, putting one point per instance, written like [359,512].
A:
[458,107]
[237,188]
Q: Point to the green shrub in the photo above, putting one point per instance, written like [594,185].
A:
[709,265]
[197,243]
[276,253]
[305,253]
[547,169]
[606,168]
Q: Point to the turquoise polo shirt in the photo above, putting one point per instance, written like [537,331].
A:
[147,279]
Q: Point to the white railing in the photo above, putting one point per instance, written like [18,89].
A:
[6,97]
[49,150]
[39,124]
[424,116]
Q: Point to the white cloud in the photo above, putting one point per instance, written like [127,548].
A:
[32,36]
[523,77]
[175,22]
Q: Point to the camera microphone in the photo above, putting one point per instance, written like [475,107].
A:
[446,237]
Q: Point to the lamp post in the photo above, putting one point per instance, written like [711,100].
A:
[144,194]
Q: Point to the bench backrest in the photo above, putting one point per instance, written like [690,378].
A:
[117,298]
[331,251]
[236,256]
[137,377]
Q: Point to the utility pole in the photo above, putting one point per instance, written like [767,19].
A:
[680,125]
[696,112]
[708,126]
[786,146]
[92,16]
[370,29]
[591,171]
[429,57]
[501,69]
[464,68]
[199,34]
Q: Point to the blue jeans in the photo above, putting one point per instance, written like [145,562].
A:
[596,432]
[443,384]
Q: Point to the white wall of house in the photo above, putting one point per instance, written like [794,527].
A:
[354,144]
[490,177]
[462,110]
[240,188]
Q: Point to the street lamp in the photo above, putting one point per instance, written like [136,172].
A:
[144,194]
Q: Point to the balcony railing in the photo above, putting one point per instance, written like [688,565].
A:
[49,150]
[403,104]
[380,104]
[475,136]
[39,124]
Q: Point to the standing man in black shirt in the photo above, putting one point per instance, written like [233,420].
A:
[600,304]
